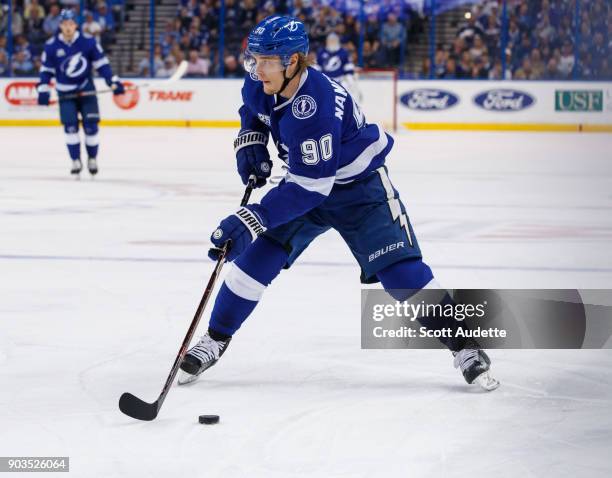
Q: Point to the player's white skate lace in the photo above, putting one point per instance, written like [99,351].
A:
[201,356]
[475,365]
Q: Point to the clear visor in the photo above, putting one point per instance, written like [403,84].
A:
[256,64]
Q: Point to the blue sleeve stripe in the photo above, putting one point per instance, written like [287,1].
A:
[322,186]
[361,162]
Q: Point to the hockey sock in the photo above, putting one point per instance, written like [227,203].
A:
[244,285]
[73,142]
[405,279]
[91,139]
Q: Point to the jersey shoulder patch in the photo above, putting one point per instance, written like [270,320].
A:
[50,41]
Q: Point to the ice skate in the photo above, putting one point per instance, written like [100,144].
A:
[475,365]
[200,357]
[76,167]
[92,165]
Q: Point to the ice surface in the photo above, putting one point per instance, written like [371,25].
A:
[99,281]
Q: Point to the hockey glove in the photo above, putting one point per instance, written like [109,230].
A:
[44,94]
[116,85]
[252,156]
[241,228]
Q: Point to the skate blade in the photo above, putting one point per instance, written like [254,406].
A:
[185,378]
[486,382]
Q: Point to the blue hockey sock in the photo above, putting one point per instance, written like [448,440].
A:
[91,139]
[73,141]
[246,282]
[404,279]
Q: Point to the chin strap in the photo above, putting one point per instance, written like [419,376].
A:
[286,80]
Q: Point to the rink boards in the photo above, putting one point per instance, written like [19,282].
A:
[432,105]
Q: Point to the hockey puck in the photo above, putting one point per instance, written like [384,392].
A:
[208,419]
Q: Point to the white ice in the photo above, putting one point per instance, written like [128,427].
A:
[100,279]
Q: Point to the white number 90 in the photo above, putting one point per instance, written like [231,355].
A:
[313,152]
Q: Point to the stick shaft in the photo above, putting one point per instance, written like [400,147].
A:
[202,305]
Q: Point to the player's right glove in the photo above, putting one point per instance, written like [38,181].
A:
[44,94]
[241,228]
[252,156]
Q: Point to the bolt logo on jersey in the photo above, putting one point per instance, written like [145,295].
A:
[74,66]
[304,107]
[332,64]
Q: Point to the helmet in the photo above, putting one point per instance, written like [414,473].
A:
[279,36]
[67,14]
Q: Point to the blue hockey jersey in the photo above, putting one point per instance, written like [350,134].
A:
[335,64]
[320,133]
[72,63]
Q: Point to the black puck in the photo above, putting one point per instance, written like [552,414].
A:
[208,419]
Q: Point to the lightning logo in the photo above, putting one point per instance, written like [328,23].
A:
[74,66]
[394,204]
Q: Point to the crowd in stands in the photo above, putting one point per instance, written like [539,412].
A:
[540,39]
[544,40]
[34,21]
[194,33]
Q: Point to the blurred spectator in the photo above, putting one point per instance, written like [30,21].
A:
[566,60]
[22,65]
[496,72]
[52,20]
[552,72]
[232,69]
[144,65]
[450,70]
[197,67]
[4,66]
[33,6]
[392,35]
[167,69]
[91,27]
[464,68]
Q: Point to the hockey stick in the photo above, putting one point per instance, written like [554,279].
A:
[141,410]
[177,75]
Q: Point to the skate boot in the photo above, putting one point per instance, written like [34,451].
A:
[92,165]
[200,357]
[475,365]
[76,167]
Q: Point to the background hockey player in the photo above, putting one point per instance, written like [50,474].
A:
[335,62]
[70,57]
[336,179]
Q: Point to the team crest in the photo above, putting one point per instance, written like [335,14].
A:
[304,107]
[61,52]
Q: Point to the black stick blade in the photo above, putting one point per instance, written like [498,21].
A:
[134,407]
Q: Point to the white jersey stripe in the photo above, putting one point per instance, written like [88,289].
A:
[101,62]
[361,162]
[320,185]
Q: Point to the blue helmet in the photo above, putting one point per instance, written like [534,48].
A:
[280,36]
[67,14]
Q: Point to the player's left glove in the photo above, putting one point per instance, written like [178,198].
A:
[44,94]
[252,156]
[116,85]
[241,228]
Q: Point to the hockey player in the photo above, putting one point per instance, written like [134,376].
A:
[336,179]
[335,62]
[69,57]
